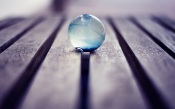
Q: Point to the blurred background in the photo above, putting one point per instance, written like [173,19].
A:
[12,8]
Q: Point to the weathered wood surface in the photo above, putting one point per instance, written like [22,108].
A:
[8,22]
[158,65]
[13,33]
[162,34]
[15,59]
[111,81]
[56,85]
[63,62]
[166,22]
[130,70]
[3,22]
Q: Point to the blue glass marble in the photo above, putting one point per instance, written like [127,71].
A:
[86,32]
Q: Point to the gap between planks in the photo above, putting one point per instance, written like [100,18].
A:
[163,23]
[86,68]
[157,41]
[15,95]
[84,81]
[10,22]
[149,90]
[18,36]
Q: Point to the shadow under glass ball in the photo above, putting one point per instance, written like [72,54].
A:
[86,32]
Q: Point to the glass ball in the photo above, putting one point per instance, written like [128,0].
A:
[86,32]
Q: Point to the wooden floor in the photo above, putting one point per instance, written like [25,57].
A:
[133,69]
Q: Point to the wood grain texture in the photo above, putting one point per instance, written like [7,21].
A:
[169,21]
[56,85]
[162,34]
[14,60]
[165,22]
[4,21]
[12,31]
[112,84]
[9,22]
[156,62]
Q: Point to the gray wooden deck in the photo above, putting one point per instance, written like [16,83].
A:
[133,69]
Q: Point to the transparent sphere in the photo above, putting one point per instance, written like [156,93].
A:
[86,32]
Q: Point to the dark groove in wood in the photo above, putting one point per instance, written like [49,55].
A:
[163,23]
[157,41]
[18,36]
[84,81]
[167,19]
[3,21]
[148,89]
[10,23]
[16,94]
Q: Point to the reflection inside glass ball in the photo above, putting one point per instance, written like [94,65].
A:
[86,32]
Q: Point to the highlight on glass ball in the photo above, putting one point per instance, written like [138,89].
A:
[86,33]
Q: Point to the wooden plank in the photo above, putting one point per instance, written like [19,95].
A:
[20,87]
[12,31]
[162,34]
[112,84]
[14,60]
[9,22]
[20,34]
[169,21]
[166,22]
[56,85]
[156,62]
[3,21]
